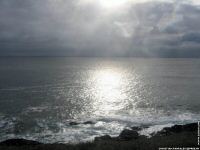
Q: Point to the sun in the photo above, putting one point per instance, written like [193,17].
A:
[108,4]
[112,3]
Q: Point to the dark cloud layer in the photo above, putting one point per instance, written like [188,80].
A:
[75,28]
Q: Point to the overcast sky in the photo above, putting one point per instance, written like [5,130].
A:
[161,28]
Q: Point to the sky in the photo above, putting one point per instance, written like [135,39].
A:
[138,28]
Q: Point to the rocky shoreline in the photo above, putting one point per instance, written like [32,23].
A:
[175,136]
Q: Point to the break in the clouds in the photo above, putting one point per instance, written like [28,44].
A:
[162,28]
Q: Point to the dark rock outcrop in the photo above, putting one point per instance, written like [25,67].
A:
[77,123]
[103,138]
[73,123]
[88,122]
[191,127]
[178,128]
[136,128]
[175,129]
[128,135]
[19,142]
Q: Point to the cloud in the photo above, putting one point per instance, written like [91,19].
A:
[191,37]
[65,27]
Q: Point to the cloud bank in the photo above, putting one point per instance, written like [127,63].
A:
[144,28]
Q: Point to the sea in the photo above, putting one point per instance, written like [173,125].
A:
[75,99]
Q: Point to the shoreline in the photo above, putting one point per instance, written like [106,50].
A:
[175,136]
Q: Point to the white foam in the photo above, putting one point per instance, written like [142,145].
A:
[153,129]
[103,125]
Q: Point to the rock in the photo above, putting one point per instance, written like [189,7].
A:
[88,122]
[163,132]
[136,128]
[77,123]
[170,130]
[19,142]
[73,123]
[178,128]
[103,138]
[182,128]
[128,135]
[190,127]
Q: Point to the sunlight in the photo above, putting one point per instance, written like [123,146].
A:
[109,78]
[107,4]
[112,3]
[107,91]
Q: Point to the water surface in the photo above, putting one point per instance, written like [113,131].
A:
[40,96]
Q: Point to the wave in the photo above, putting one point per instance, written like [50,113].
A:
[49,131]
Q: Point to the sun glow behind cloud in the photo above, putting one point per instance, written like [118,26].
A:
[100,27]
[111,4]
[116,4]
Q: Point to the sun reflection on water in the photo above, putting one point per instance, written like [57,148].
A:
[107,91]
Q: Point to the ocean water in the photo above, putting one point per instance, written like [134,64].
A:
[40,96]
